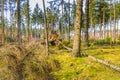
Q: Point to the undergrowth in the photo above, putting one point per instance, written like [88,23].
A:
[30,63]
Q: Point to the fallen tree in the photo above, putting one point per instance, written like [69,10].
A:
[28,62]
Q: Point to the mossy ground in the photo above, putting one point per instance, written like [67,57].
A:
[85,68]
[109,54]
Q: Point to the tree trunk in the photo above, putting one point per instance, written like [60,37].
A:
[62,23]
[101,33]
[60,28]
[77,30]
[69,22]
[110,25]
[28,21]
[87,23]
[11,26]
[46,28]
[117,27]
[19,23]
[52,26]
[114,22]
[3,24]
[6,29]
[104,31]
[94,34]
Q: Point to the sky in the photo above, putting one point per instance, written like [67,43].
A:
[33,3]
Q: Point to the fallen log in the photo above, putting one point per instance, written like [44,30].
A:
[105,63]
[96,59]
[69,49]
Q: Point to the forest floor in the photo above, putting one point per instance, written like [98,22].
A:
[30,63]
[85,68]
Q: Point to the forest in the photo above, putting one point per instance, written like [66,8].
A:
[60,40]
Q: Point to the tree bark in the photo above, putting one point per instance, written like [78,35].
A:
[60,28]
[77,30]
[69,22]
[11,26]
[101,33]
[28,21]
[87,23]
[46,28]
[94,33]
[114,22]
[110,25]
[19,23]
[104,31]
[3,24]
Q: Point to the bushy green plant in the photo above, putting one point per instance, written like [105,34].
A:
[100,42]
[118,40]
[92,40]
[65,42]
[103,41]
[91,47]
[9,39]
[107,40]
[60,46]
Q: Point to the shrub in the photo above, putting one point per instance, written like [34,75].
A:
[100,42]
[9,39]
[107,40]
[103,41]
[65,42]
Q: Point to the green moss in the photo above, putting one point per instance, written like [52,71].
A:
[85,68]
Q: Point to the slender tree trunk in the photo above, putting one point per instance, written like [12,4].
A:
[69,22]
[114,21]
[92,26]
[19,39]
[46,28]
[101,28]
[62,23]
[117,27]
[104,31]
[35,32]
[87,23]
[66,31]
[11,26]
[77,29]
[52,25]
[108,30]
[74,5]
[60,28]
[19,23]
[6,29]
[28,21]
[94,34]
[3,24]
[110,25]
